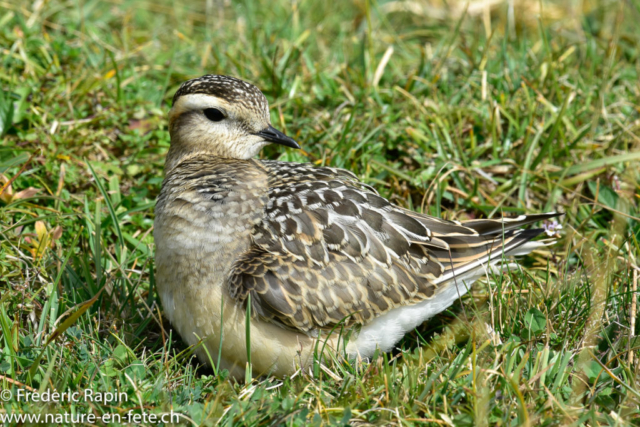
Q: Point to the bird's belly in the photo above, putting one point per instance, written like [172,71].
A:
[191,282]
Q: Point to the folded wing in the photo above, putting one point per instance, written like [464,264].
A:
[330,249]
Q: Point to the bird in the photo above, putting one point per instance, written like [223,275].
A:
[263,260]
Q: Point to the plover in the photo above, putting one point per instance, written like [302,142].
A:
[311,248]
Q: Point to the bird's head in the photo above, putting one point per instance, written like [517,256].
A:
[223,116]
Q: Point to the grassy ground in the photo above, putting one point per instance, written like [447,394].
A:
[493,110]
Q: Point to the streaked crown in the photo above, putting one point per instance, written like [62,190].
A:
[230,89]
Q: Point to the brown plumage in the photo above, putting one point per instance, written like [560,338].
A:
[313,246]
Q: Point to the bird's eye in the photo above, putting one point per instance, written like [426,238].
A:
[213,114]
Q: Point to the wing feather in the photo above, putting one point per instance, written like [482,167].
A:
[330,248]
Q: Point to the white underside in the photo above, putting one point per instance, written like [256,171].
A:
[385,331]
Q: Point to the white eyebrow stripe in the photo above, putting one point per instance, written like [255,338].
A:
[197,101]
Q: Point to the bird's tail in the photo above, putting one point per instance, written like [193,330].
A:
[467,255]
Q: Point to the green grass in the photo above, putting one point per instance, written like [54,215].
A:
[465,117]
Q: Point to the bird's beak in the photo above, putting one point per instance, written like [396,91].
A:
[272,134]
